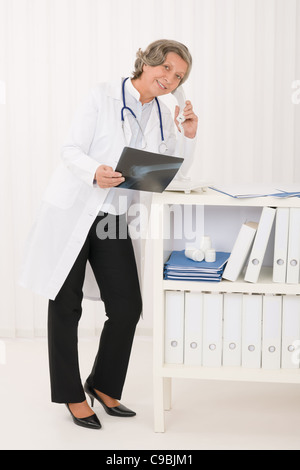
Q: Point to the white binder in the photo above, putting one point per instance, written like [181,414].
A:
[281,244]
[193,328]
[260,244]
[212,329]
[271,336]
[293,247]
[232,330]
[240,251]
[290,353]
[174,327]
[251,331]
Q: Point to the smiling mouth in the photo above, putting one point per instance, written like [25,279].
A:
[161,86]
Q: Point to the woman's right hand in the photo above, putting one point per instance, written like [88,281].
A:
[106,177]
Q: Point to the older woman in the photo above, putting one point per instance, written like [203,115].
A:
[64,250]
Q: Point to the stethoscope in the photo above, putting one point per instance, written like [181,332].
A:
[163,146]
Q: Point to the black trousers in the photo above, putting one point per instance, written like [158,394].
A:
[113,263]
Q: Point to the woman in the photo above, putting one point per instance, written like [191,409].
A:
[66,255]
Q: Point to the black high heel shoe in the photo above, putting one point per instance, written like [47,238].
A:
[120,410]
[91,422]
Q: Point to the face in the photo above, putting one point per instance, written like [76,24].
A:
[165,78]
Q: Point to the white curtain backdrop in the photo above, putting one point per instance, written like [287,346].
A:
[246,58]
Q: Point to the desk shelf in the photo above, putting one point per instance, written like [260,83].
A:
[163,373]
[265,285]
[236,374]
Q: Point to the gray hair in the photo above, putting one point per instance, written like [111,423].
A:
[156,54]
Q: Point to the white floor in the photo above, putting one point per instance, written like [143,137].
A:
[205,415]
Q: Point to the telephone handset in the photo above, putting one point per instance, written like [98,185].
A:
[183,182]
[180,97]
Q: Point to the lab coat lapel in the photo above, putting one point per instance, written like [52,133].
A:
[127,130]
[115,91]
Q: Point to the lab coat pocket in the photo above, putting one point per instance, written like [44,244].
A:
[63,188]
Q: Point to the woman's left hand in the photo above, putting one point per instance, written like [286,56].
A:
[190,124]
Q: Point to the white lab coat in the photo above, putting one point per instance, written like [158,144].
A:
[72,201]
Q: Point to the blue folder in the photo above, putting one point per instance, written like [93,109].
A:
[281,194]
[179,267]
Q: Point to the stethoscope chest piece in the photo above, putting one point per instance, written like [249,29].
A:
[163,148]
